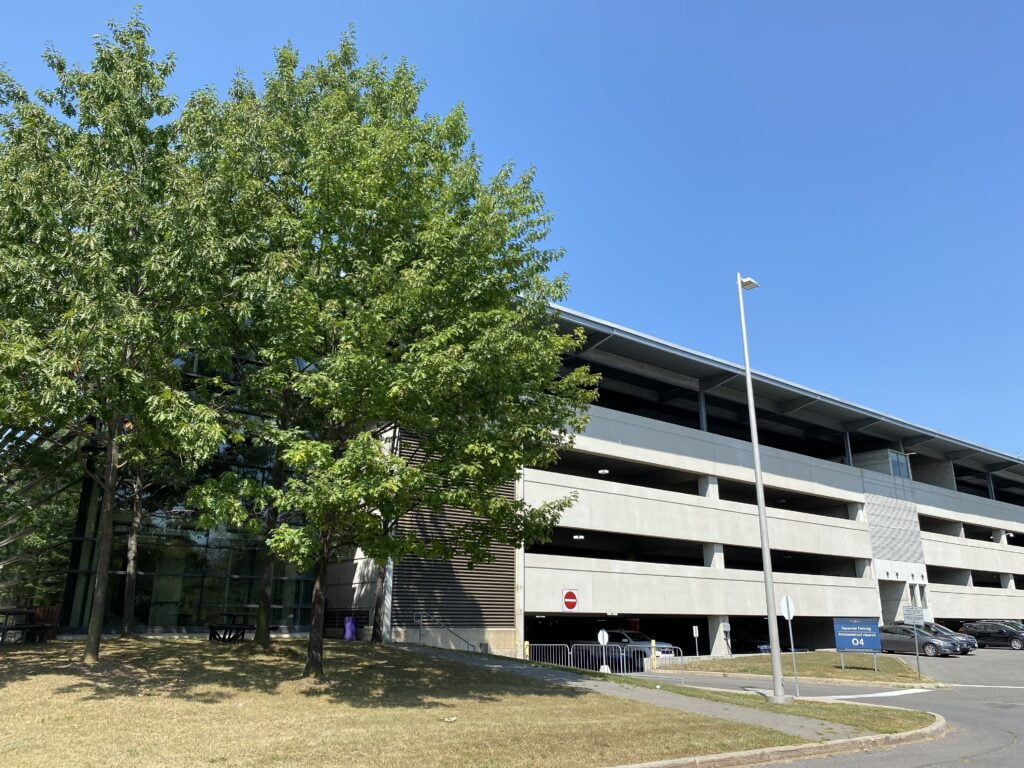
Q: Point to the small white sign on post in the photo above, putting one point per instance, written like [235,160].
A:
[696,631]
[602,638]
[913,614]
[787,607]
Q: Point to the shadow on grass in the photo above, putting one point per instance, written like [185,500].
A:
[359,675]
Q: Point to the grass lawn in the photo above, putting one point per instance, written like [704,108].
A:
[864,719]
[823,664]
[185,702]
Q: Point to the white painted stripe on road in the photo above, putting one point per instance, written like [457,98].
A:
[882,695]
[971,685]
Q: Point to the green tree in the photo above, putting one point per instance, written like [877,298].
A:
[108,272]
[381,281]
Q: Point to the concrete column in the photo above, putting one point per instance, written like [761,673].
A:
[717,637]
[862,568]
[999,536]
[714,555]
[855,510]
[914,595]
[702,411]
[847,449]
[707,486]
[991,485]
[1006,581]
[520,601]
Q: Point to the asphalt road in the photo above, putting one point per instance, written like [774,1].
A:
[984,708]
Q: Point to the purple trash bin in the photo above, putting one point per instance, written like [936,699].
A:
[351,627]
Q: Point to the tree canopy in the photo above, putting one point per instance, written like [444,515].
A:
[337,261]
[108,265]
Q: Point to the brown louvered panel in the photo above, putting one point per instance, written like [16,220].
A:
[483,596]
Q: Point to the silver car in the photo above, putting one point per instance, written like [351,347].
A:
[965,643]
[899,638]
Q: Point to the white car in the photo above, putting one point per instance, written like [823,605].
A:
[638,642]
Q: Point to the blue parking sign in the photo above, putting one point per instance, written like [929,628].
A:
[857,635]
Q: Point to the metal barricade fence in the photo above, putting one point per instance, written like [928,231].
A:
[610,658]
[550,653]
[615,659]
[668,664]
[674,661]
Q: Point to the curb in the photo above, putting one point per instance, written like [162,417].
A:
[821,680]
[798,751]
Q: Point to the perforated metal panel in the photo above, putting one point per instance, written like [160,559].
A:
[460,596]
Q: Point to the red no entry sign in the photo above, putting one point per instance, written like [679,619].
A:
[570,599]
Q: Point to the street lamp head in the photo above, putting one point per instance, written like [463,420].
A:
[748,283]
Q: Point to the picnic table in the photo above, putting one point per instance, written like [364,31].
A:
[20,624]
[233,629]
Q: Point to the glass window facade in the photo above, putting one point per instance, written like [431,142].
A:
[187,576]
[900,464]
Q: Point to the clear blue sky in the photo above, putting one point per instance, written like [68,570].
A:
[863,160]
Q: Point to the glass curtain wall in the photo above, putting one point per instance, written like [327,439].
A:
[187,576]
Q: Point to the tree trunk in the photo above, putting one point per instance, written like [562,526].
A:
[278,475]
[315,649]
[378,605]
[104,542]
[131,566]
[262,637]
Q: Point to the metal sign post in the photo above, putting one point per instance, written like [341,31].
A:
[914,616]
[787,607]
[696,640]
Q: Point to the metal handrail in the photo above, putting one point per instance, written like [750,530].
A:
[419,616]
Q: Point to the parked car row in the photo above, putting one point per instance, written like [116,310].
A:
[937,640]
[1009,634]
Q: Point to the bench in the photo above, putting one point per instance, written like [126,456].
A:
[229,633]
[26,633]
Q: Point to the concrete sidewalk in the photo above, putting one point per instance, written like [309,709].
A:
[802,727]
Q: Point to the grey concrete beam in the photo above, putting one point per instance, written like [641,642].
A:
[671,393]
[1000,466]
[788,406]
[959,455]
[711,382]
[593,341]
[911,442]
[859,424]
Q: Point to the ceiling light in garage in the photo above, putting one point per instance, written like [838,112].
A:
[603,471]
[578,537]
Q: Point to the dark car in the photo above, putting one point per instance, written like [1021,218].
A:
[996,633]
[899,638]
[965,643]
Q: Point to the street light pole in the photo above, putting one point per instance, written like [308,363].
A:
[778,692]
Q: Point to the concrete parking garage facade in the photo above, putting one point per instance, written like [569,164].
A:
[868,513]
